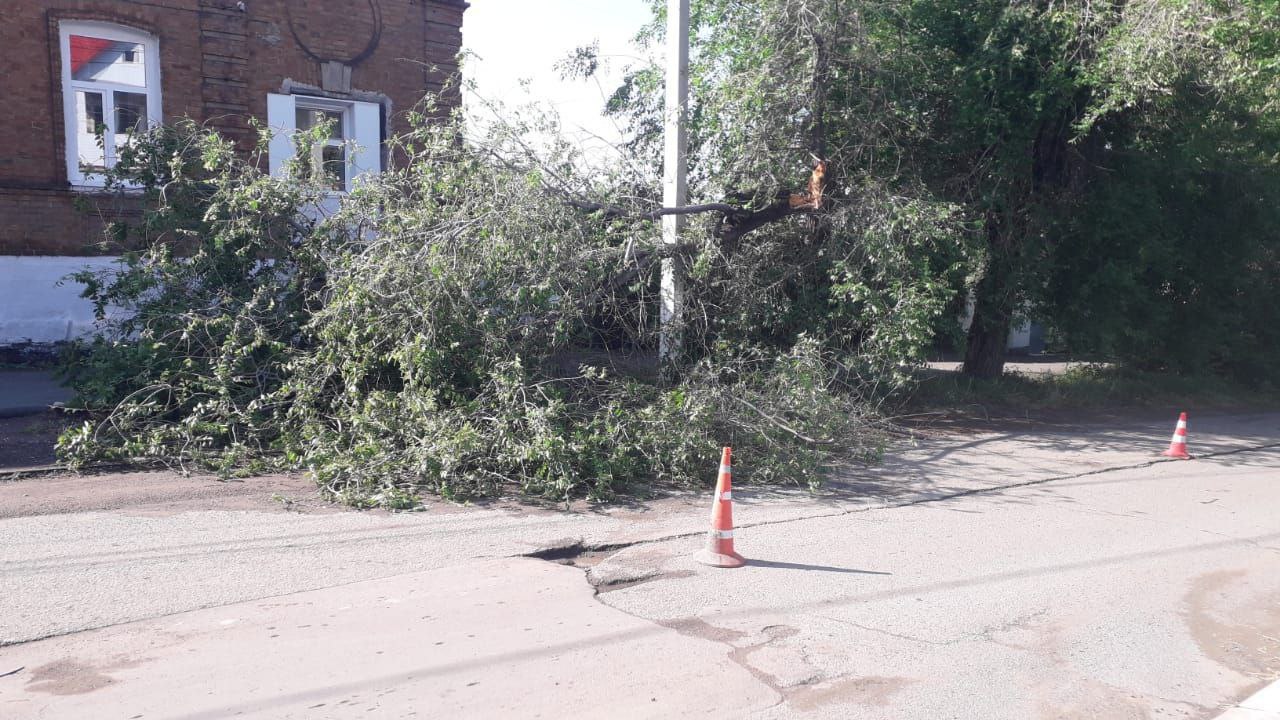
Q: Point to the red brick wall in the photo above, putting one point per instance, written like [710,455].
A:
[217,65]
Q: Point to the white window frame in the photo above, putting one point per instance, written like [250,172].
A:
[155,114]
[362,130]
[347,131]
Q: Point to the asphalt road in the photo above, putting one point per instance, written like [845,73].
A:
[1023,572]
[1135,594]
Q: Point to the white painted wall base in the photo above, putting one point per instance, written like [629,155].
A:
[1019,334]
[36,305]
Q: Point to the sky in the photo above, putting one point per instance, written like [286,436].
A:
[521,40]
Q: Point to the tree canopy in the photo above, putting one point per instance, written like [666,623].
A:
[482,316]
[1032,120]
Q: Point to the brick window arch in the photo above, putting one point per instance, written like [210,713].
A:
[110,90]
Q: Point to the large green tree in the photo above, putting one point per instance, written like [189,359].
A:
[1170,258]
[1011,111]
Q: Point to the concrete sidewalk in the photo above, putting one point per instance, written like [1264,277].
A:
[27,392]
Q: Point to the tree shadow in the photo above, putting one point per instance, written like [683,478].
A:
[813,568]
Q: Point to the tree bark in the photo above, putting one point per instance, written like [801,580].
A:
[984,352]
[993,305]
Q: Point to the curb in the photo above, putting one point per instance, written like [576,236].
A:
[1262,705]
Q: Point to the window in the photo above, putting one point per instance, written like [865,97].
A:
[351,148]
[110,90]
[325,162]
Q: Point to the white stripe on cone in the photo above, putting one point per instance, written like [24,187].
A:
[724,534]
[726,470]
[726,495]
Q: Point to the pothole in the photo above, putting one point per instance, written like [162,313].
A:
[612,585]
[575,552]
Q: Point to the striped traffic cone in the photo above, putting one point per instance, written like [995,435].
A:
[719,550]
[1178,446]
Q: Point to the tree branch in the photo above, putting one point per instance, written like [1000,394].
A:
[610,211]
[734,223]
[733,227]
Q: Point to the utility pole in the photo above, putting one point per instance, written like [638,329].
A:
[674,188]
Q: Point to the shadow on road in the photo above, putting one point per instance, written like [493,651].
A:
[815,568]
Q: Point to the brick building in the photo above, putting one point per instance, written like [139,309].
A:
[79,75]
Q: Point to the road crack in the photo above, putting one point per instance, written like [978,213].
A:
[566,551]
[880,631]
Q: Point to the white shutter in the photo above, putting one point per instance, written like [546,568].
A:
[367,155]
[281,119]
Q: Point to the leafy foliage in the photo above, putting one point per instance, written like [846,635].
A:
[1174,260]
[200,325]
[481,320]
[1015,116]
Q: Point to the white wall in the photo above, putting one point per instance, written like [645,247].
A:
[34,307]
[1020,336]
[1019,332]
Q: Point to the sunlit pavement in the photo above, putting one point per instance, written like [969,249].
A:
[1099,584]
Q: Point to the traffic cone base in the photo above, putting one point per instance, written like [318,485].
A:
[714,553]
[719,551]
[720,560]
[1178,445]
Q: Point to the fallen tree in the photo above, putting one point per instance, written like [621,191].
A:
[482,320]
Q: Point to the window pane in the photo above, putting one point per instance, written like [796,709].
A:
[335,167]
[131,112]
[92,119]
[90,125]
[98,59]
[308,118]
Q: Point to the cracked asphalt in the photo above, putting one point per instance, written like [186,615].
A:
[1026,571]
[1152,592]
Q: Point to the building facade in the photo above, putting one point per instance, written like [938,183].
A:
[79,76]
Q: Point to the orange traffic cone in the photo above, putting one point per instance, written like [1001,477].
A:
[1178,446]
[719,550]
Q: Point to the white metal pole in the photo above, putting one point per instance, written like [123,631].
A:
[674,187]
